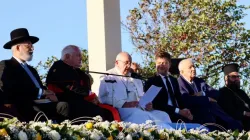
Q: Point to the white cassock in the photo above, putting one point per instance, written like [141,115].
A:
[127,89]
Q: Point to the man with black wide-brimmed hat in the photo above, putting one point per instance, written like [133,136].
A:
[233,100]
[21,84]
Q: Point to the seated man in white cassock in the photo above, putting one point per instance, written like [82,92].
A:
[124,93]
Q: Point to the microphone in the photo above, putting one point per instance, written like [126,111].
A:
[133,75]
[110,81]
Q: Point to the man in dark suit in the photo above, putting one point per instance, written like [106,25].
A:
[21,84]
[201,99]
[232,99]
[169,97]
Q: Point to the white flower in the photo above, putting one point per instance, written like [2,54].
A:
[134,126]
[98,118]
[13,129]
[45,128]
[22,135]
[223,134]
[54,135]
[128,137]
[105,125]
[95,136]
[122,124]
[67,122]
[206,137]
[230,138]
[49,122]
[33,125]
[178,133]
[192,131]
[146,133]
[120,136]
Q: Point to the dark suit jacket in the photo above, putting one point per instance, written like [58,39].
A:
[202,109]
[161,100]
[73,83]
[16,84]
[188,92]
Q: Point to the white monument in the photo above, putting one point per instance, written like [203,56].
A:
[104,35]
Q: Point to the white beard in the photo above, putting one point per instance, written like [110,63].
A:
[26,57]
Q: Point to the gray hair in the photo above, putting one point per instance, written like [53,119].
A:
[68,50]
[13,48]
[180,66]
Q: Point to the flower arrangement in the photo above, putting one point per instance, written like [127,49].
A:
[96,129]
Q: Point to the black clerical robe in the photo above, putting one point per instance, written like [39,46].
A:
[235,102]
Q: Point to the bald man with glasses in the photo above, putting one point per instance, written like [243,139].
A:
[124,93]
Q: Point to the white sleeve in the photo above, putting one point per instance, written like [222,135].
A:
[106,94]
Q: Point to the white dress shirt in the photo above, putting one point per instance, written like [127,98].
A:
[169,99]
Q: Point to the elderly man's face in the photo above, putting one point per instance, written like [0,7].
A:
[162,66]
[233,80]
[188,70]
[75,58]
[123,64]
[25,51]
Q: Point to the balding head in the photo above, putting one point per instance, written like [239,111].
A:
[72,56]
[187,69]
[123,63]
[122,55]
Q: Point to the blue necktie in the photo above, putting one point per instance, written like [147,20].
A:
[33,78]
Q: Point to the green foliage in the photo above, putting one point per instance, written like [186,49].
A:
[43,67]
[209,31]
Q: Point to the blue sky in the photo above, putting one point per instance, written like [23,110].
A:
[58,23]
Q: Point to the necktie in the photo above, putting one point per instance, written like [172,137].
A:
[194,87]
[30,75]
[170,91]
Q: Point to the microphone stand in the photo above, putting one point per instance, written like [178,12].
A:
[133,75]
[106,73]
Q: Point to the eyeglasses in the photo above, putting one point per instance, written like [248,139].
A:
[29,46]
[234,76]
[125,63]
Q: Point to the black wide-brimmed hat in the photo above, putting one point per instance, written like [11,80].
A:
[20,35]
[228,68]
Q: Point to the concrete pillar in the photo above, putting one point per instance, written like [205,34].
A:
[104,36]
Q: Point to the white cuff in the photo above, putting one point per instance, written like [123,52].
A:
[244,113]
[177,110]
